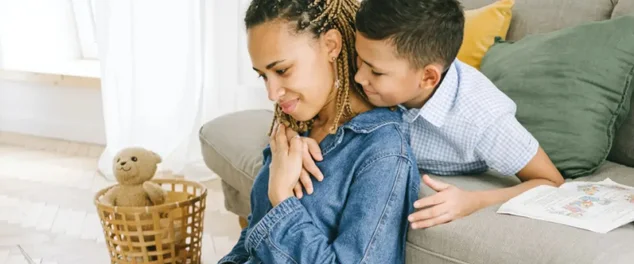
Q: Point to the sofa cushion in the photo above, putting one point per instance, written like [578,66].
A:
[232,146]
[488,237]
[623,148]
[623,7]
[482,26]
[571,86]
[235,201]
[540,16]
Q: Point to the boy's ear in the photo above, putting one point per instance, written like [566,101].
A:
[430,76]
[332,40]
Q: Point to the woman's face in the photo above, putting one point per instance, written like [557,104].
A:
[296,68]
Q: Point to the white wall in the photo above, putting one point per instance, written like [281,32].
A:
[47,110]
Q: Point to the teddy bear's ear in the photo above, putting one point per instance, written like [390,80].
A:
[157,157]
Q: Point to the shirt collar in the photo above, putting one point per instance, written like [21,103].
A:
[437,108]
[363,123]
[368,121]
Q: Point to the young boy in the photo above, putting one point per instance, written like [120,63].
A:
[459,122]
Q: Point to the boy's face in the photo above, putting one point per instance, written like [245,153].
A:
[389,80]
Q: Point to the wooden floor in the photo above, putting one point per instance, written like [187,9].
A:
[46,192]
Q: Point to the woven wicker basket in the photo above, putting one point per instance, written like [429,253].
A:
[167,233]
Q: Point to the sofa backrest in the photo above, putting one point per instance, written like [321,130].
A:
[539,16]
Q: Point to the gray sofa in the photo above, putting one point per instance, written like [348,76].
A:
[232,147]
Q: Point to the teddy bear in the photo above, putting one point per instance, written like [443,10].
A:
[133,168]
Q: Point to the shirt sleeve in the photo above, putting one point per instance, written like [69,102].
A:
[506,146]
[372,228]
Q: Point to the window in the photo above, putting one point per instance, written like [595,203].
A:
[49,36]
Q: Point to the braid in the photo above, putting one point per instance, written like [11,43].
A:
[318,16]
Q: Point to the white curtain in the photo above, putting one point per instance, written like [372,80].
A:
[152,59]
[167,67]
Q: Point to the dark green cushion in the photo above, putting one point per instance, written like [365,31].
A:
[572,88]
[623,148]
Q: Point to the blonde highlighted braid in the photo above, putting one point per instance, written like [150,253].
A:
[318,16]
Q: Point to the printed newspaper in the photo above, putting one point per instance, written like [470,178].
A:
[596,206]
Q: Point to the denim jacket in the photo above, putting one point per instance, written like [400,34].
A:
[357,214]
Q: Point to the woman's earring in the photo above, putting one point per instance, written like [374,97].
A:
[334,61]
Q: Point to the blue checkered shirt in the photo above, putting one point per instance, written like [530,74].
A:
[468,127]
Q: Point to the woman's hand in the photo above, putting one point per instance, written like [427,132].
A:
[286,165]
[309,155]
[448,204]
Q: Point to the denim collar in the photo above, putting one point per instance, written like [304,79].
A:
[437,108]
[367,122]
[363,123]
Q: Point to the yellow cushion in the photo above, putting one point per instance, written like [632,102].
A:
[482,25]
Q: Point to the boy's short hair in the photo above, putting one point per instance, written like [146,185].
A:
[423,31]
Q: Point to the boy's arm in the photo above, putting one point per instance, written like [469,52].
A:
[539,171]
[507,147]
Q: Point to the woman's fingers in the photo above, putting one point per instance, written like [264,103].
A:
[272,142]
[290,133]
[294,141]
[276,127]
[309,165]
[298,191]
[306,182]
[309,154]
[280,139]
[297,146]
[313,149]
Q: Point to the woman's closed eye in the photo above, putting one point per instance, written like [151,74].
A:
[377,73]
[281,72]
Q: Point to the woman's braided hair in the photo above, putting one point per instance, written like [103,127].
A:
[316,16]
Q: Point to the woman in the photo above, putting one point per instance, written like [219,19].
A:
[304,52]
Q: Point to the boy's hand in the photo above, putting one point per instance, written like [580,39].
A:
[308,161]
[448,204]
